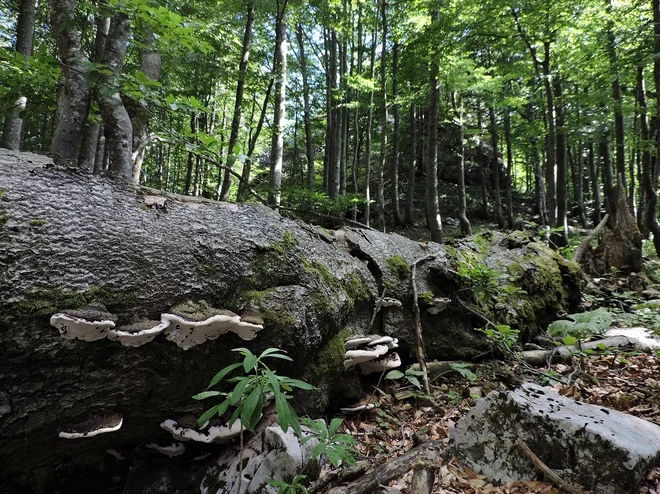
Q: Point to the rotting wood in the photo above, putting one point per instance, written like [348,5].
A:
[428,452]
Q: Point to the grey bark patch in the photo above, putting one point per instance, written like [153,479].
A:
[603,450]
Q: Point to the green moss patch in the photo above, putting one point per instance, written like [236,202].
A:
[398,266]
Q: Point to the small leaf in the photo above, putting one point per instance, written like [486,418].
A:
[206,394]
[283,415]
[334,425]
[220,375]
[249,363]
[394,374]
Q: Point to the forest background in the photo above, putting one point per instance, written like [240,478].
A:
[385,113]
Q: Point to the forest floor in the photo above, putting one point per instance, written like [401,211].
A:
[628,382]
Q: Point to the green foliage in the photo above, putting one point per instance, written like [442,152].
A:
[303,199]
[502,337]
[294,487]
[582,325]
[252,390]
[426,298]
[337,446]
[410,375]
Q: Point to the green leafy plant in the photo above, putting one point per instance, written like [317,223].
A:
[337,446]
[251,391]
[294,487]
[582,325]
[503,337]
[410,375]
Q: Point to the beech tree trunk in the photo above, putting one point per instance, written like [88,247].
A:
[74,94]
[495,160]
[367,151]
[412,168]
[561,238]
[13,126]
[151,65]
[309,141]
[116,122]
[380,190]
[396,137]
[277,143]
[432,199]
[238,103]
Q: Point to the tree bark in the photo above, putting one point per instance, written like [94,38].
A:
[466,228]
[240,89]
[649,223]
[652,199]
[116,122]
[279,117]
[13,125]
[309,141]
[74,94]
[551,141]
[509,167]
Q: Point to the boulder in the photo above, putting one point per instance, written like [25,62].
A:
[603,450]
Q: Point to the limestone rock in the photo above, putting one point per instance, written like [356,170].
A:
[603,450]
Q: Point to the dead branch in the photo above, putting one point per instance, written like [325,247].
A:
[548,472]
[419,342]
[584,245]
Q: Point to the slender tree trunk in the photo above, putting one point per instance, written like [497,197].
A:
[466,228]
[432,199]
[646,217]
[608,173]
[329,86]
[595,186]
[221,151]
[90,138]
[619,129]
[151,66]
[344,115]
[245,179]
[191,157]
[396,137]
[309,141]
[652,196]
[551,142]
[13,125]
[277,143]
[509,167]
[412,168]
[495,159]
[357,142]
[238,103]
[539,190]
[380,195]
[334,170]
[370,119]
[116,122]
[74,93]
[561,239]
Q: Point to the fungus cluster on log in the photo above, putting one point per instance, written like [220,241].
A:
[186,429]
[187,325]
[372,353]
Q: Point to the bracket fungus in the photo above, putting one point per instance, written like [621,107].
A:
[94,427]
[357,408]
[390,302]
[174,449]
[90,323]
[439,304]
[139,333]
[194,323]
[372,353]
[216,433]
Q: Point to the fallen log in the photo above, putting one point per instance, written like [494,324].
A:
[150,267]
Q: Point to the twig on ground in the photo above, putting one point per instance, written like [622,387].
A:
[548,472]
